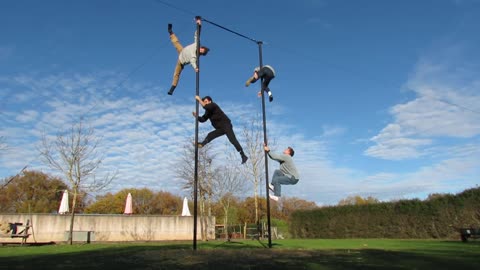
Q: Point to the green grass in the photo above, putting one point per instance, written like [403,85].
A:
[248,254]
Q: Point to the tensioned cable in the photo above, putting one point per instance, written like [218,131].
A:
[231,31]
[456,105]
[174,7]
[13,178]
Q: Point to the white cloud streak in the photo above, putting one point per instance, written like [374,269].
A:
[447,105]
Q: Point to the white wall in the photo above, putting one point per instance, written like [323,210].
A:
[52,227]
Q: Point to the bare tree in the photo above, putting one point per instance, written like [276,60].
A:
[185,170]
[228,183]
[75,154]
[255,167]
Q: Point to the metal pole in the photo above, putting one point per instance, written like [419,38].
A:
[195,183]
[265,141]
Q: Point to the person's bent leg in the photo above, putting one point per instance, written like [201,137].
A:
[266,82]
[278,179]
[233,140]
[212,136]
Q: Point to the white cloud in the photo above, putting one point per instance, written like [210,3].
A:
[27,116]
[447,105]
[393,143]
[332,131]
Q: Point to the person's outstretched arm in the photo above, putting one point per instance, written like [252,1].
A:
[274,156]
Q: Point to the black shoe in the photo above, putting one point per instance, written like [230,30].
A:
[270,98]
[171,90]
[244,159]
[170,29]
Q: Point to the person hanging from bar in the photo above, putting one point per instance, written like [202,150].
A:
[221,123]
[287,174]
[186,55]
[267,73]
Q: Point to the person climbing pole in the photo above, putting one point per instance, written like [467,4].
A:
[267,73]
[287,174]
[186,55]
[221,123]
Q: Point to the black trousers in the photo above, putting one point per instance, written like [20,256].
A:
[267,75]
[226,129]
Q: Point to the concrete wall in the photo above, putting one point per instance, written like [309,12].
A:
[52,227]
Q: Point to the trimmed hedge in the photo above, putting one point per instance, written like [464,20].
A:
[436,218]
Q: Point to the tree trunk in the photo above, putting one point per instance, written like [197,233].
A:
[72,219]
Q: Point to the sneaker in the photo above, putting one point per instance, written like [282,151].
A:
[171,90]
[170,29]
[199,145]
[271,187]
[273,197]
[244,159]
[249,81]
[270,98]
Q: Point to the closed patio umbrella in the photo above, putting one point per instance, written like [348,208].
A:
[128,205]
[185,210]
[64,203]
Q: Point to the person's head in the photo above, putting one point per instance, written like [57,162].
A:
[289,151]
[204,50]
[207,99]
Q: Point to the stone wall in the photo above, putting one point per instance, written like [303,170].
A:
[52,227]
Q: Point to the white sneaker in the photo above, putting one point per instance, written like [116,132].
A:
[271,187]
[273,197]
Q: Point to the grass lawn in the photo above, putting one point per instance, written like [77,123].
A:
[248,254]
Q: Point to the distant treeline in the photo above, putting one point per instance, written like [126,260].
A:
[437,217]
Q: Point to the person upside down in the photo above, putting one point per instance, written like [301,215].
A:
[267,73]
[186,55]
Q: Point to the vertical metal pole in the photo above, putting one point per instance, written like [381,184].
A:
[195,183]
[265,141]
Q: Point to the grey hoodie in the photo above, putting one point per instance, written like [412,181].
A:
[287,166]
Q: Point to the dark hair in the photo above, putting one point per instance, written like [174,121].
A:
[292,152]
[207,97]
[206,50]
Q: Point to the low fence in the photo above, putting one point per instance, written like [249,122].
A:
[53,227]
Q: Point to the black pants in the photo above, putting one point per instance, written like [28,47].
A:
[225,129]
[267,75]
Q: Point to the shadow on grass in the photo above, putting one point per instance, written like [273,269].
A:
[232,244]
[241,255]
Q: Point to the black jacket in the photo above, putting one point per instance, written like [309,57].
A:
[217,117]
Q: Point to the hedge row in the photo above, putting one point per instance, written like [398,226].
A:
[440,217]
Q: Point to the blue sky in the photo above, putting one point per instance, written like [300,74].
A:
[378,98]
